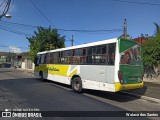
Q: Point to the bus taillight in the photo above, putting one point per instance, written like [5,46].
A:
[120,76]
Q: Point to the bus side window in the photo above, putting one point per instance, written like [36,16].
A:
[37,60]
[59,57]
[62,57]
[91,55]
[79,56]
[51,58]
[65,57]
[98,55]
[101,54]
[68,57]
[112,54]
[42,58]
[55,58]
[48,58]
[104,55]
[83,57]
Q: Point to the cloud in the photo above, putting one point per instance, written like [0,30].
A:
[15,49]
[1,50]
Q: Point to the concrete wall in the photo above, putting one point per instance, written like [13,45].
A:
[33,66]
[23,65]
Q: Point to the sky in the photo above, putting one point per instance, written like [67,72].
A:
[76,15]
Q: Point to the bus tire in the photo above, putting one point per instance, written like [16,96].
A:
[77,84]
[41,76]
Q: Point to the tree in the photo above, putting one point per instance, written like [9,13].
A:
[157,32]
[151,52]
[45,39]
[10,56]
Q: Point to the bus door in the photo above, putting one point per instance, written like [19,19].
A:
[108,70]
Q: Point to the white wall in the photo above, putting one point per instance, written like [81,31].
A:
[33,66]
[23,65]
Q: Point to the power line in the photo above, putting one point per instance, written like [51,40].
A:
[2,3]
[111,30]
[18,27]
[38,9]
[16,32]
[77,42]
[20,24]
[12,2]
[90,31]
[84,31]
[66,30]
[5,9]
[134,2]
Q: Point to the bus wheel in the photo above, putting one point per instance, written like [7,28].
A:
[41,76]
[77,84]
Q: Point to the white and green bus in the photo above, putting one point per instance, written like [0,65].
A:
[108,65]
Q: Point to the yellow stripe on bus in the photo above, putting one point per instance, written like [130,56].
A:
[55,69]
[119,86]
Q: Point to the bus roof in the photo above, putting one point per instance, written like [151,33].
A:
[82,46]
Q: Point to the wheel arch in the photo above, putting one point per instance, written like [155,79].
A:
[74,76]
[40,72]
[76,79]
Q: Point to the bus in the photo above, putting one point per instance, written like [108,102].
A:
[108,65]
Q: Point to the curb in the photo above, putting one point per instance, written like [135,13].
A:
[142,97]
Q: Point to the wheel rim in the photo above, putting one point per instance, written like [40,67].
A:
[76,85]
[41,76]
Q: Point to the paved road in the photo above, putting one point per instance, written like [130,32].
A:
[19,89]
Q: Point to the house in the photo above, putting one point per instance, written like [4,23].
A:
[23,61]
[140,40]
[6,59]
[3,57]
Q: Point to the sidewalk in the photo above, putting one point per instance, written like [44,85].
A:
[150,91]
[29,71]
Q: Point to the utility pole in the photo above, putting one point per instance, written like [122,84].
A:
[72,41]
[125,28]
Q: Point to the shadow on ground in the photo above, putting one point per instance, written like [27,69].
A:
[115,96]
[119,97]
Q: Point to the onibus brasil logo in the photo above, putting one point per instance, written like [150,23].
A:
[9,113]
